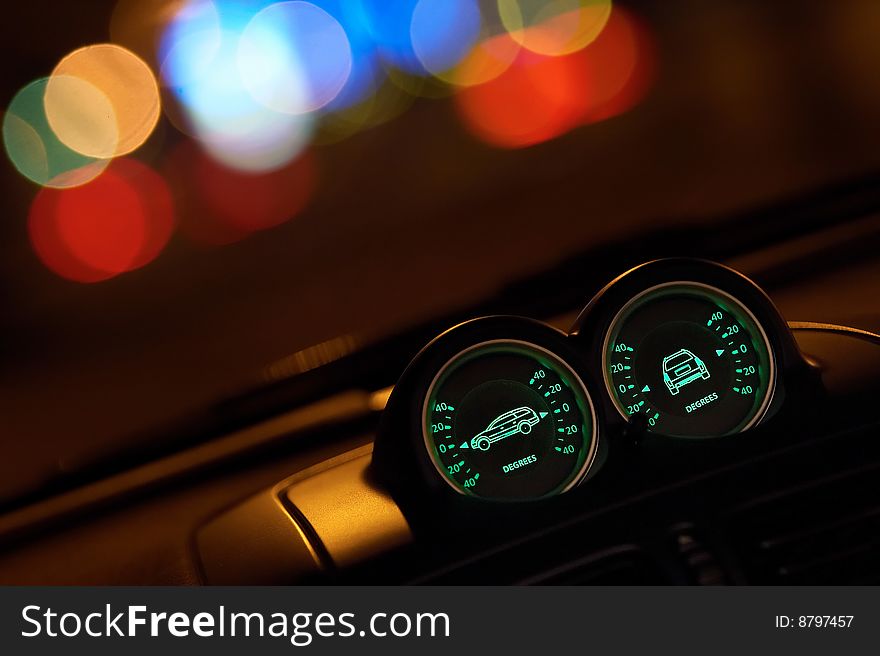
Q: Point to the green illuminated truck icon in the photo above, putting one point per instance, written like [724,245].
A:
[681,368]
[512,422]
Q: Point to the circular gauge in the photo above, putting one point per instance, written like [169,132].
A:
[508,420]
[690,358]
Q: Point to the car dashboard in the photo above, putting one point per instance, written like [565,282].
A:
[671,421]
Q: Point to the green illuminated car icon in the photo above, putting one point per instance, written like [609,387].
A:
[681,368]
[519,420]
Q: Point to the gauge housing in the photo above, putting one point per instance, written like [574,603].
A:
[404,458]
[787,372]
[692,359]
[624,456]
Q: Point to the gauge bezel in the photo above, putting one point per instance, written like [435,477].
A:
[403,463]
[590,458]
[796,380]
[742,307]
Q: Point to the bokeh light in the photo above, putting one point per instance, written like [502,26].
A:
[404,34]
[35,150]
[256,202]
[294,57]
[209,78]
[389,28]
[486,61]
[189,43]
[156,201]
[103,224]
[255,83]
[197,221]
[387,102]
[443,32]
[490,56]
[554,27]
[118,222]
[621,64]
[235,128]
[540,97]
[48,244]
[102,101]
[367,73]
[81,116]
[224,205]
[537,98]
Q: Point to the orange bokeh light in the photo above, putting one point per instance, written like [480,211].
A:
[118,222]
[621,64]
[486,61]
[540,97]
[554,27]
[224,205]
[537,98]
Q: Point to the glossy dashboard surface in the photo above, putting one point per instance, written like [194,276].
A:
[165,553]
[649,506]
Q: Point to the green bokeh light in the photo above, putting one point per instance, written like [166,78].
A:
[34,149]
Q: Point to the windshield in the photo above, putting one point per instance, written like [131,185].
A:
[256,194]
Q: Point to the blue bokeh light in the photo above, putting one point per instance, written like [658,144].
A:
[443,32]
[389,26]
[236,65]
[366,68]
[236,129]
[294,57]
[202,66]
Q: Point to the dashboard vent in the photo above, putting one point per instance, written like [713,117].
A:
[554,561]
[618,566]
[827,532]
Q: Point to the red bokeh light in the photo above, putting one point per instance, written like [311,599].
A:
[48,244]
[155,197]
[116,223]
[224,205]
[102,224]
[540,97]
[537,98]
[621,65]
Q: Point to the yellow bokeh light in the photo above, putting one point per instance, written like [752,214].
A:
[554,27]
[491,54]
[100,91]
[81,116]
[384,104]
[489,59]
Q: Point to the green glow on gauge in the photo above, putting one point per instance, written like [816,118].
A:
[508,420]
[690,358]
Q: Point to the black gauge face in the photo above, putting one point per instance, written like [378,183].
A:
[691,359]
[508,420]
